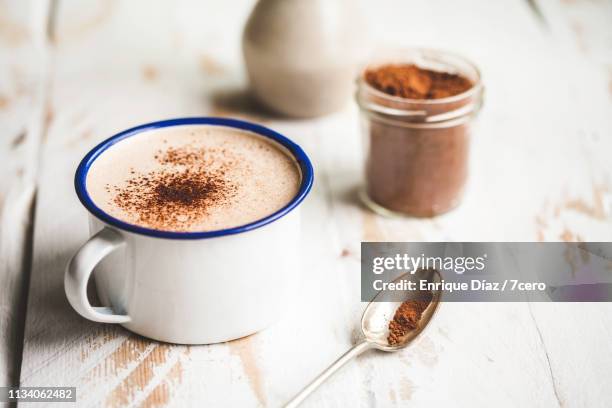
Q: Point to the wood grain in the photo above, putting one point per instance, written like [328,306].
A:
[22,103]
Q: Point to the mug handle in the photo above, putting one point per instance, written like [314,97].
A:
[79,270]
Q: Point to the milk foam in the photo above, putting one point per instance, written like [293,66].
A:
[253,178]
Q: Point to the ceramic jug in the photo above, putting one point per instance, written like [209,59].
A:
[301,55]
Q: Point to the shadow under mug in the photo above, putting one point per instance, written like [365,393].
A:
[188,287]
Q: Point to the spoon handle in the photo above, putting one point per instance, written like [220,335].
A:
[353,352]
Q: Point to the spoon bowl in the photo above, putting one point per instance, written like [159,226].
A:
[380,311]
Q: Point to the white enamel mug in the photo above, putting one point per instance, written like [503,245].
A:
[188,287]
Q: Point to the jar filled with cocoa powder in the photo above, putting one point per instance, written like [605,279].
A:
[417,109]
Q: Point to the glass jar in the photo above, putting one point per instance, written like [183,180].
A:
[416,150]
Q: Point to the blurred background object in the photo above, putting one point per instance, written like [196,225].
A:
[301,55]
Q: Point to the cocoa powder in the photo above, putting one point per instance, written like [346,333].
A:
[410,81]
[176,198]
[407,318]
[415,165]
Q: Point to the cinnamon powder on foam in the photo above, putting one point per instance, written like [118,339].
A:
[178,197]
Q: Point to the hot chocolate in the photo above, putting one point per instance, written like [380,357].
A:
[193,178]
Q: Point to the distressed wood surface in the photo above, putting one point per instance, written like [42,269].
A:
[22,94]
[541,171]
[13,122]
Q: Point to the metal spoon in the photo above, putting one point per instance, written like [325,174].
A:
[375,329]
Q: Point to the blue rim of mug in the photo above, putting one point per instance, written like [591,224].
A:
[299,156]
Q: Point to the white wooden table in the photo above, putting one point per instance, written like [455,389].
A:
[542,170]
